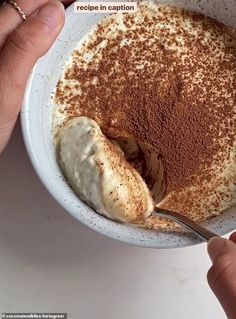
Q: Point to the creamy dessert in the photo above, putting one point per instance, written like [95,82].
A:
[163,81]
[98,172]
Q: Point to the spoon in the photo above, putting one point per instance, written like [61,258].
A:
[188,223]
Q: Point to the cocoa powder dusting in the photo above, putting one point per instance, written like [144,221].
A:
[167,86]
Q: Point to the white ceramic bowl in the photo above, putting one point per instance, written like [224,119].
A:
[36,124]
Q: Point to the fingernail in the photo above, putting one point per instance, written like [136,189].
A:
[52,13]
[215,247]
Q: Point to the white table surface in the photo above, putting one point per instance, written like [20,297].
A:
[49,262]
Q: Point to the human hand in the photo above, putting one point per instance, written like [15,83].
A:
[21,44]
[222,274]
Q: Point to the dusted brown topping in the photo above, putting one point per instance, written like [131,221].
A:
[167,79]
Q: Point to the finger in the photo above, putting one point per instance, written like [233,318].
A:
[217,247]
[11,19]
[233,237]
[24,46]
[221,276]
[223,254]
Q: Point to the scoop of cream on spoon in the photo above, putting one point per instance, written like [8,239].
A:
[96,169]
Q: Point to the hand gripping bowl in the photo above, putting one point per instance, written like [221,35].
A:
[36,124]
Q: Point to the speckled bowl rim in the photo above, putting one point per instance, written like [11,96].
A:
[50,175]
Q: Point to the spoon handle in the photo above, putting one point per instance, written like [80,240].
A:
[199,230]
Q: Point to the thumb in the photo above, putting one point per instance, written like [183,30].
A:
[222,274]
[25,45]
